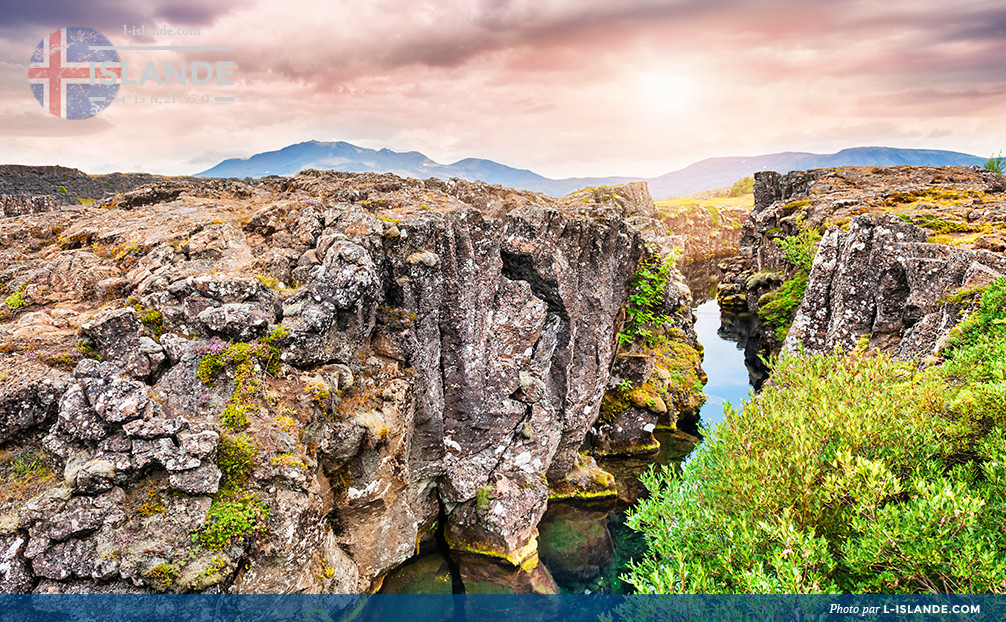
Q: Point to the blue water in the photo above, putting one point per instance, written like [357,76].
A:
[723,362]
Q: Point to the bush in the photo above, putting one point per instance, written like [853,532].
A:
[847,475]
[801,248]
[996,164]
[742,186]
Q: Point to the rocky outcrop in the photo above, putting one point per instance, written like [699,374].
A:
[289,387]
[31,187]
[896,242]
[880,280]
[656,376]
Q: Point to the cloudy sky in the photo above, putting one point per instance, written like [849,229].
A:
[563,87]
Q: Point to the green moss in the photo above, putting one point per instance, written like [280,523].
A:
[526,555]
[963,295]
[483,500]
[15,301]
[154,320]
[778,307]
[243,356]
[612,405]
[162,576]
[623,451]
[575,493]
[267,281]
[795,205]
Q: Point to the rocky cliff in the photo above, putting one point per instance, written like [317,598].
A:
[70,186]
[901,249]
[290,386]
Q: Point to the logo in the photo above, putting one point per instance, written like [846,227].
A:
[61,72]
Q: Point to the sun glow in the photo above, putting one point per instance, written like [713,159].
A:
[664,92]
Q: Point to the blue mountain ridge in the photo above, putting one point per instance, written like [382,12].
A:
[704,175]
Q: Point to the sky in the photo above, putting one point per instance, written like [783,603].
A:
[561,87]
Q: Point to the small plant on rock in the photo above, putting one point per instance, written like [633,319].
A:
[231,522]
[643,315]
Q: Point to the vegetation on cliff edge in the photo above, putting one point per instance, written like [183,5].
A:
[778,307]
[849,474]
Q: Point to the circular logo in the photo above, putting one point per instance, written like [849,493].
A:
[74,73]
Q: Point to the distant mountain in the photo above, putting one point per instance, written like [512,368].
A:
[721,172]
[344,156]
[704,175]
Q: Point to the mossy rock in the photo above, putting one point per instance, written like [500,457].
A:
[428,574]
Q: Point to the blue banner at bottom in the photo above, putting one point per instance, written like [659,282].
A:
[479,608]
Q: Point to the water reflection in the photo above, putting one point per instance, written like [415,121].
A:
[731,359]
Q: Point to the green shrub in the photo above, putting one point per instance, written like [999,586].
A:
[848,474]
[800,249]
[995,163]
[742,186]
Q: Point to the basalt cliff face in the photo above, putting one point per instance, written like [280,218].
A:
[290,386]
[902,247]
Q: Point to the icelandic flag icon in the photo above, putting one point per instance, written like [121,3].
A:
[65,73]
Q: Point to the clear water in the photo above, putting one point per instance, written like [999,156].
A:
[724,363]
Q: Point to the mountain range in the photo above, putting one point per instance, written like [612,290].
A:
[704,175]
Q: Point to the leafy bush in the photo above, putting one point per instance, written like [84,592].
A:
[848,474]
[643,314]
[800,249]
[742,186]
[996,163]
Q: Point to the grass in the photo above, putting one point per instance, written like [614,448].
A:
[23,474]
[848,474]
[684,205]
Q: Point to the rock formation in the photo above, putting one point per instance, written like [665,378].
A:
[898,244]
[290,386]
